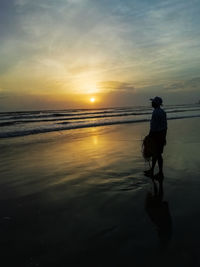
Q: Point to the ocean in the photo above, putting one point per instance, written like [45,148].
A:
[78,196]
[14,124]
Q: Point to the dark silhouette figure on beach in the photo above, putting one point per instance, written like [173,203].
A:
[157,137]
[158,212]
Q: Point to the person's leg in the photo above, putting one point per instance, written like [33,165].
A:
[150,172]
[159,176]
[160,164]
[154,159]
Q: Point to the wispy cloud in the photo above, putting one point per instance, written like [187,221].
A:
[117,86]
[184,85]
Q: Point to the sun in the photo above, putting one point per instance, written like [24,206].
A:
[92,99]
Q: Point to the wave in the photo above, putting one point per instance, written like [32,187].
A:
[54,114]
[80,125]
[7,123]
[78,118]
[83,117]
[34,115]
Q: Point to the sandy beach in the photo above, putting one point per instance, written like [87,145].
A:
[80,198]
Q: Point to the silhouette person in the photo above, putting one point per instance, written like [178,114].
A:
[158,212]
[157,134]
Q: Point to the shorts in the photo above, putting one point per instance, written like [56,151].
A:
[159,141]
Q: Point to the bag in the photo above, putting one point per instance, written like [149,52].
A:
[147,147]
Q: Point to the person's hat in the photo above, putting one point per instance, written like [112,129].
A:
[157,100]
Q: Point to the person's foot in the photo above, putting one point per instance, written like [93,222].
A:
[149,173]
[159,176]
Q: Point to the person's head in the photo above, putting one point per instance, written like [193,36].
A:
[156,102]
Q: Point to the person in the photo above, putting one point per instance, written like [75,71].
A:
[157,134]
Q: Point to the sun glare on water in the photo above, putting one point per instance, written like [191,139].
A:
[92,100]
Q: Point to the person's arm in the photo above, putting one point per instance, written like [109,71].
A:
[152,124]
[165,133]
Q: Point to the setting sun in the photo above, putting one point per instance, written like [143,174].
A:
[92,99]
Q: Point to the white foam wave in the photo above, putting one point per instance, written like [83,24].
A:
[79,125]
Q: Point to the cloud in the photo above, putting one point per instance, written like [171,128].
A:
[184,85]
[80,45]
[4,95]
[116,86]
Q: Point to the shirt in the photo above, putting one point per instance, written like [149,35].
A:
[158,120]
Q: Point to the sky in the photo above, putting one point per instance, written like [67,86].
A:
[58,54]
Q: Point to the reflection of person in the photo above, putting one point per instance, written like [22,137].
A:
[158,212]
[158,131]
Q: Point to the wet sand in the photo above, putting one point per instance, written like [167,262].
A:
[79,198]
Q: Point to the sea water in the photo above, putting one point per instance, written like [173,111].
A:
[13,124]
